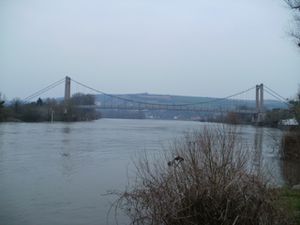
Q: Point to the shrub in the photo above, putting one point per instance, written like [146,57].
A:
[291,144]
[206,179]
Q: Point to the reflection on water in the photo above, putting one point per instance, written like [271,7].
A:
[66,129]
[57,173]
[258,149]
[265,153]
[67,163]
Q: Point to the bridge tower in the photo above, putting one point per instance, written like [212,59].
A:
[259,97]
[67,88]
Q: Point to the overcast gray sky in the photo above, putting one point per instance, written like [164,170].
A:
[182,47]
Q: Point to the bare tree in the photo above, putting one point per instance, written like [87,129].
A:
[295,5]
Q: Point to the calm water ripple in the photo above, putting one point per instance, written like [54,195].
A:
[57,173]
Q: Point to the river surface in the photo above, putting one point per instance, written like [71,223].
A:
[59,173]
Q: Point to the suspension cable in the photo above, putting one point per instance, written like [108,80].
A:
[43,90]
[279,99]
[160,104]
[275,93]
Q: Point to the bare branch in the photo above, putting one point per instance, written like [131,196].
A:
[294,4]
[209,181]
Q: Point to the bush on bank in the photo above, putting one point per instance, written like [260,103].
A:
[206,178]
[291,144]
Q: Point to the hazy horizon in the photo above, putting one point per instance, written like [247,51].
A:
[191,48]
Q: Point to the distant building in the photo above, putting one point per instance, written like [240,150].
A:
[289,122]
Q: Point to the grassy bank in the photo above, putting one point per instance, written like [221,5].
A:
[290,200]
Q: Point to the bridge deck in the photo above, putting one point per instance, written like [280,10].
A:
[169,107]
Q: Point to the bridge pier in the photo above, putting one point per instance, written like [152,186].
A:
[67,89]
[67,94]
[260,111]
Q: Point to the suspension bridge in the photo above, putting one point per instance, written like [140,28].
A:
[234,103]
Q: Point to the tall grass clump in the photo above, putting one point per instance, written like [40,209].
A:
[205,179]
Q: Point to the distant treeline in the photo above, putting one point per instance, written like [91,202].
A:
[58,110]
[274,116]
[49,110]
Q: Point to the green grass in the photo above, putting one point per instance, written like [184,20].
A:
[290,199]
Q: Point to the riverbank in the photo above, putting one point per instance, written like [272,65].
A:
[50,110]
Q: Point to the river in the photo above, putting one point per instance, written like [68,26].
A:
[59,173]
